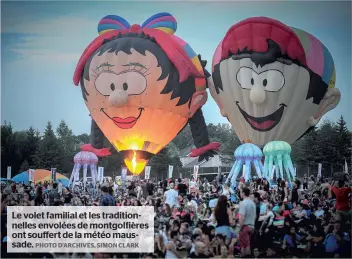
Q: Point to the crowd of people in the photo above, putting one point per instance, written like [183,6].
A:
[257,219]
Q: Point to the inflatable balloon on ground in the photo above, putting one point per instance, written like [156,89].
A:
[87,157]
[271,81]
[142,85]
[40,175]
[277,153]
[247,154]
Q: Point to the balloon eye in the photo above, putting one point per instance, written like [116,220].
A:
[252,81]
[125,86]
[112,86]
[265,82]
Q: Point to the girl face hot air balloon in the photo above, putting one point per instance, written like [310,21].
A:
[272,81]
[142,84]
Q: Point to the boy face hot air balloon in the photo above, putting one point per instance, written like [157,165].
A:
[142,85]
[271,81]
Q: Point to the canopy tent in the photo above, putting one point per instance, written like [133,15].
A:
[40,175]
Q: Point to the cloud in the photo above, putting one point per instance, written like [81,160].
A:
[57,39]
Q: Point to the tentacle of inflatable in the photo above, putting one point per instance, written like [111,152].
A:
[248,170]
[271,163]
[236,171]
[279,163]
[257,168]
[287,171]
[290,166]
[266,168]
[261,168]
[228,179]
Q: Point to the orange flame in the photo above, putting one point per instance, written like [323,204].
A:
[135,165]
[134,161]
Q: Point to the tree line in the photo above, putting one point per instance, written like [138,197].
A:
[329,144]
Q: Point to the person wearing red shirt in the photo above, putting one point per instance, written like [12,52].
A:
[342,199]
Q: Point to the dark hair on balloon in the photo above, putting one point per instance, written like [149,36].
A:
[317,87]
[184,90]
[142,43]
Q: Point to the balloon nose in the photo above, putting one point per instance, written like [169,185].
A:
[257,95]
[118,98]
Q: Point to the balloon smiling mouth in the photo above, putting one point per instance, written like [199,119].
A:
[263,123]
[124,123]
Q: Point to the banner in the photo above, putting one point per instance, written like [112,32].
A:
[100,174]
[346,167]
[123,176]
[171,169]
[9,169]
[319,170]
[181,175]
[31,175]
[195,172]
[147,172]
[53,174]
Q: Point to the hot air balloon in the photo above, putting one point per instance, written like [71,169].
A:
[142,85]
[271,81]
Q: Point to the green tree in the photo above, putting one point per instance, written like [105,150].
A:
[161,161]
[82,139]
[48,154]
[24,166]
[68,146]
[112,164]
[184,138]
[342,144]
[8,150]
[311,147]
[33,139]
[327,143]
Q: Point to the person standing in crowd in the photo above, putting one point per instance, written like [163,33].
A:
[343,205]
[223,217]
[171,251]
[181,187]
[227,191]
[296,192]
[305,182]
[54,195]
[106,199]
[171,197]
[247,213]
[144,187]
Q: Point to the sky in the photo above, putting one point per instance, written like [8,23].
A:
[41,43]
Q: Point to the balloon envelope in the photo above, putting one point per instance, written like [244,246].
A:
[271,81]
[139,84]
[40,175]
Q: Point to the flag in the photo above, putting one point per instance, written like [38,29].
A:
[171,169]
[319,170]
[53,174]
[346,167]
[100,174]
[31,175]
[147,172]
[195,172]
[9,169]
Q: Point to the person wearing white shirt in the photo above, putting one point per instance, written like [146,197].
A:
[171,197]
[227,191]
